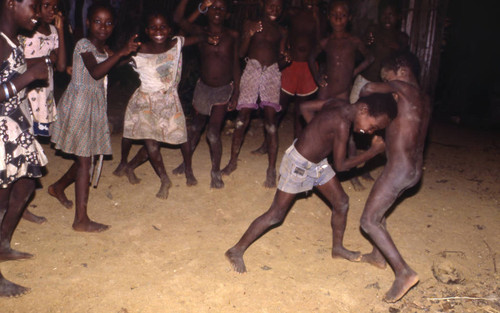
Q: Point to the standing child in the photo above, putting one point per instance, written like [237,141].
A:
[81,128]
[21,156]
[219,83]
[304,166]
[46,42]
[263,42]
[154,113]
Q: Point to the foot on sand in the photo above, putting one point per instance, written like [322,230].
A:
[236,260]
[59,195]
[401,285]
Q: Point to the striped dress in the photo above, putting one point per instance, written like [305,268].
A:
[81,127]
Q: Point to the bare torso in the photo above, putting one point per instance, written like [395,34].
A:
[265,45]
[217,60]
[302,35]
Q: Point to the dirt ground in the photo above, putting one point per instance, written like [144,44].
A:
[168,255]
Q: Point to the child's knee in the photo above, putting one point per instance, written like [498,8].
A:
[213,135]
[270,128]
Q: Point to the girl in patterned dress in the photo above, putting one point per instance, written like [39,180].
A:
[81,128]
[47,41]
[21,156]
[154,113]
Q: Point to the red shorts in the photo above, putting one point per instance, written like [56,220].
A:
[297,80]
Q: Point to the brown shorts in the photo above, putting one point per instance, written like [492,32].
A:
[205,97]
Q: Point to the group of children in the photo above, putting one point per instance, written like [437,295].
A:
[281,62]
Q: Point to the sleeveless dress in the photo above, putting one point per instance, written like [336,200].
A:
[41,98]
[20,154]
[154,111]
[82,127]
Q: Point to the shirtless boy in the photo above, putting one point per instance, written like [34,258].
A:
[262,42]
[405,140]
[219,83]
[304,166]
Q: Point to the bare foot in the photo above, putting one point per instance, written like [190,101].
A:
[120,169]
[261,150]
[230,167]
[401,285]
[343,253]
[7,254]
[374,259]
[90,226]
[236,260]
[163,192]
[59,195]
[190,179]
[9,289]
[216,182]
[131,176]
[27,215]
[270,178]
[179,169]
[356,184]
[367,176]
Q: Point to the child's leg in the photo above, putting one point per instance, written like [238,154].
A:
[188,169]
[125,150]
[9,289]
[140,157]
[194,134]
[275,215]
[215,144]
[339,203]
[29,216]
[13,200]
[242,122]
[82,221]
[57,189]
[270,124]
[157,161]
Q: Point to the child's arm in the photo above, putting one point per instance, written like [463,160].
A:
[36,71]
[284,58]
[318,77]
[187,25]
[249,29]
[233,102]
[371,88]
[308,109]
[193,40]
[341,163]
[99,70]
[368,57]
[60,53]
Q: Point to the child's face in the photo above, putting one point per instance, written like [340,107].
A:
[339,16]
[48,10]
[388,18]
[272,9]
[309,4]
[158,29]
[101,24]
[217,12]
[366,124]
[25,14]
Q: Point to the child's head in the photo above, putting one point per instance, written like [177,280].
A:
[339,15]
[375,112]
[309,4]
[217,12]
[400,66]
[100,21]
[21,12]
[273,9]
[48,11]
[158,29]
[389,14]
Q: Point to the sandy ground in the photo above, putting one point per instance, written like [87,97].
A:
[168,255]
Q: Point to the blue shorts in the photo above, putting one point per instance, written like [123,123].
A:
[297,174]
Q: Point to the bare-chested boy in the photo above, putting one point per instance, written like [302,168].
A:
[405,140]
[262,42]
[219,82]
[305,27]
[304,166]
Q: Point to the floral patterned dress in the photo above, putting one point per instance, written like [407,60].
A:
[41,98]
[20,154]
[154,110]
[82,127]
